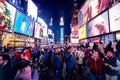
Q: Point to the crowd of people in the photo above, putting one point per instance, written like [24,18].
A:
[58,62]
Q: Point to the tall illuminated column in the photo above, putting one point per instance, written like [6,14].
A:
[61,30]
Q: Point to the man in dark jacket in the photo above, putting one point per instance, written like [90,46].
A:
[56,64]
[111,66]
[5,69]
[70,63]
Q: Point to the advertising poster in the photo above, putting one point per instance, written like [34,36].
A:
[74,31]
[38,33]
[7,16]
[90,9]
[97,6]
[82,32]
[34,12]
[83,14]
[114,15]
[23,24]
[99,25]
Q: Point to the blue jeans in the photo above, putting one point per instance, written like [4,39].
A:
[96,76]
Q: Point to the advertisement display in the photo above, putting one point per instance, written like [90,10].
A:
[99,25]
[74,31]
[23,24]
[38,33]
[7,16]
[118,36]
[90,9]
[31,27]
[82,32]
[44,26]
[83,14]
[32,6]
[45,31]
[114,15]
[97,6]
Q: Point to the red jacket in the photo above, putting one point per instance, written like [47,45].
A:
[26,54]
[96,66]
[17,55]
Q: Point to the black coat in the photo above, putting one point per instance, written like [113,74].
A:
[6,72]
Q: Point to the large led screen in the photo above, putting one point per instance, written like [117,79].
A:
[82,32]
[38,33]
[97,6]
[23,24]
[74,31]
[44,26]
[90,9]
[83,14]
[114,14]
[32,9]
[98,25]
[7,16]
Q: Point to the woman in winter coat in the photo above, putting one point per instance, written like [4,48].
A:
[24,70]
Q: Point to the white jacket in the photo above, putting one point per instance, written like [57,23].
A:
[80,55]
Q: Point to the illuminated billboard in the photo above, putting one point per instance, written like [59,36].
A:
[90,9]
[38,32]
[7,16]
[99,25]
[97,6]
[82,32]
[23,24]
[114,15]
[32,9]
[83,14]
[44,26]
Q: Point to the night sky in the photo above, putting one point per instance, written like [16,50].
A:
[55,9]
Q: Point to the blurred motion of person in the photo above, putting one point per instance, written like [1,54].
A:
[23,70]
[5,67]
